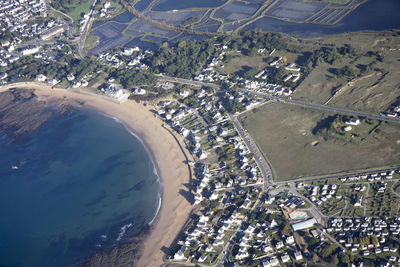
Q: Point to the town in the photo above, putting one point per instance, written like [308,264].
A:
[242,215]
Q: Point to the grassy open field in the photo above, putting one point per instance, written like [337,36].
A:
[285,135]
[240,62]
[373,91]
[78,10]
[90,42]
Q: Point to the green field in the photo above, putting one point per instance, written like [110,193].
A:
[78,10]
[284,133]
[241,63]
[372,91]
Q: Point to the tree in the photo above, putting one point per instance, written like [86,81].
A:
[374,240]
[335,260]
[344,258]
[327,251]
[253,51]
[286,229]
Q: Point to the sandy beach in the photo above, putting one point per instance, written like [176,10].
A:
[167,156]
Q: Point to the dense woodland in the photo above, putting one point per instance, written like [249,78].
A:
[183,60]
[129,78]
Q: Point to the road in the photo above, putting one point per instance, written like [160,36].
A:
[336,176]
[186,81]
[315,212]
[327,108]
[262,164]
[82,36]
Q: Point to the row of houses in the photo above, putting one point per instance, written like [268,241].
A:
[18,16]
[366,235]
[126,58]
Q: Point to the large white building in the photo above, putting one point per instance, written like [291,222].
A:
[304,224]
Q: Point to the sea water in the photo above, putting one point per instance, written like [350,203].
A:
[78,184]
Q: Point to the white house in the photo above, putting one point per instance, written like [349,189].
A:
[179,254]
[285,258]
[41,78]
[202,258]
[354,122]
[3,75]
[139,91]
[298,256]
[358,203]
[183,93]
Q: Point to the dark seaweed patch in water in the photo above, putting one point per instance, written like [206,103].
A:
[138,186]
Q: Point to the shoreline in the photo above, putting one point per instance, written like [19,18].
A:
[156,170]
[168,160]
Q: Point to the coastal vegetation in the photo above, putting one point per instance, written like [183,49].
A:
[363,79]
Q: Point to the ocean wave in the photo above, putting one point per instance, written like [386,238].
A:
[158,209]
[122,231]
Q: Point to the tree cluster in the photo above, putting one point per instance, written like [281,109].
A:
[183,60]
[29,67]
[231,105]
[129,78]
[330,55]
[253,40]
